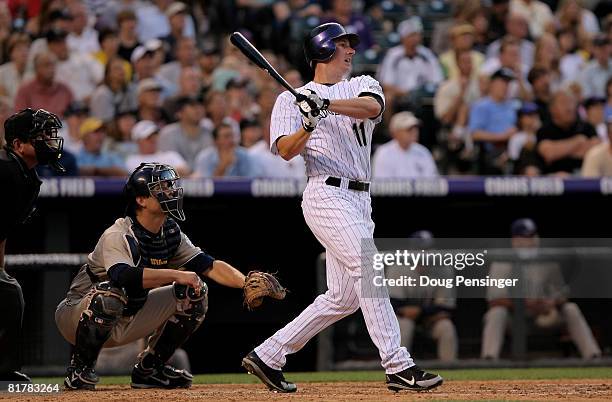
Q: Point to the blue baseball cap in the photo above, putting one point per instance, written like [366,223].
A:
[524,227]
[527,108]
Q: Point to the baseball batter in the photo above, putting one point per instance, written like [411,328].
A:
[332,130]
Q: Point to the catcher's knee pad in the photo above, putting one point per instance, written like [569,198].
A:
[107,304]
[184,292]
[192,305]
[97,322]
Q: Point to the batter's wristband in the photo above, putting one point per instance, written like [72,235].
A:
[326,103]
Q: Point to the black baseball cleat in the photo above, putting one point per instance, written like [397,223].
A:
[83,378]
[273,379]
[413,379]
[162,376]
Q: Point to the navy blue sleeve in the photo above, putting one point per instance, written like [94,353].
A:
[125,276]
[200,263]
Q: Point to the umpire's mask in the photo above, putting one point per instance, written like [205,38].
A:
[40,128]
[47,143]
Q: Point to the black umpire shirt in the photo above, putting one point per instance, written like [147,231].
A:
[20,187]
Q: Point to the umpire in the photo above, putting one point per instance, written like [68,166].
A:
[31,139]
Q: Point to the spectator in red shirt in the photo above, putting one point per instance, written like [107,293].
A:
[44,92]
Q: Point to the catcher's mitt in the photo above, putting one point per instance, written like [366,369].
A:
[260,284]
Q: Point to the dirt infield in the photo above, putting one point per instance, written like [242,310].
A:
[566,390]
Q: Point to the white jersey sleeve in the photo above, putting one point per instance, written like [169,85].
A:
[369,86]
[285,119]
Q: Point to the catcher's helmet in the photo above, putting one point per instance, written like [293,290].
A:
[159,181]
[40,128]
[319,44]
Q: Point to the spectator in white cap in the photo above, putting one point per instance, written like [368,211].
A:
[145,134]
[410,65]
[145,59]
[153,21]
[158,49]
[403,157]
[142,60]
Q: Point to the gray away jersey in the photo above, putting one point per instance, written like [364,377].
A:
[339,145]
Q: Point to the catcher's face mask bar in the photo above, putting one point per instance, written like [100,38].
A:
[168,193]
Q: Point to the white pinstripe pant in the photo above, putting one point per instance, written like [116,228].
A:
[340,219]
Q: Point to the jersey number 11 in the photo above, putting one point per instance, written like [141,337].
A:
[356,129]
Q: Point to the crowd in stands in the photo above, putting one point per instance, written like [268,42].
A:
[472,86]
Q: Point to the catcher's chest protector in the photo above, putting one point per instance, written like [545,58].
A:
[155,250]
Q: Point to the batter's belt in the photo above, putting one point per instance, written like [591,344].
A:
[352,184]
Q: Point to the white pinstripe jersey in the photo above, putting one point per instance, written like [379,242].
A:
[340,145]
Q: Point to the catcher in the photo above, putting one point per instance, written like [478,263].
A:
[144,278]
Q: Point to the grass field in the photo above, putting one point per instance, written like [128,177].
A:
[366,376]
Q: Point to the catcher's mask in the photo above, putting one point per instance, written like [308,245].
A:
[159,181]
[39,128]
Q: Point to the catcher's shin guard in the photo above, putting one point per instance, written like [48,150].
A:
[179,327]
[96,324]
